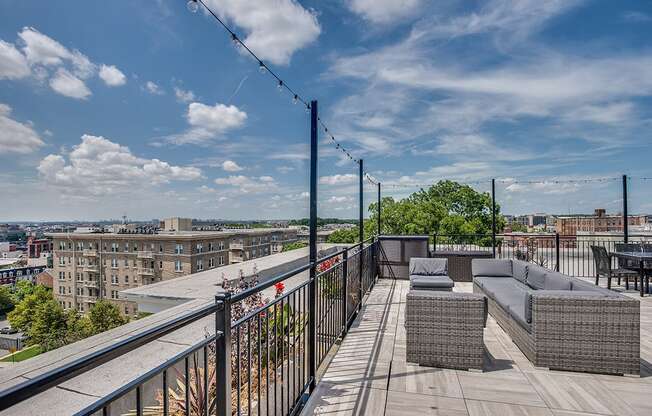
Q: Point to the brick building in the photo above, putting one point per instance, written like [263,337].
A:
[92,266]
[599,222]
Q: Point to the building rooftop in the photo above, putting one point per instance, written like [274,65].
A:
[369,374]
[171,234]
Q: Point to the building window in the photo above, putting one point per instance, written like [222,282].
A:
[200,247]
[200,265]
[114,279]
[62,261]
[126,247]
[178,249]
[126,262]
[221,260]
[211,247]
[126,279]
[126,310]
[221,245]
[160,248]
[177,266]
[211,263]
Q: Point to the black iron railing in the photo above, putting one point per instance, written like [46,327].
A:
[570,255]
[255,364]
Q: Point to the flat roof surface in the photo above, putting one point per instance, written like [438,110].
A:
[172,234]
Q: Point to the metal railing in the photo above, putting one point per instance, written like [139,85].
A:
[571,255]
[256,361]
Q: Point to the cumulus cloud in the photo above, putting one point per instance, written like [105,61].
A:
[98,166]
[112,76]
[184,96]
[249,184]
[69,85]
[153,88]
[13,64]
[384,11]
[46,59]
[275,28]
[231,166]
[338,179]
[207,122]
[16,137]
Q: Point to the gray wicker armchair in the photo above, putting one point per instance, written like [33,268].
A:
[445,329]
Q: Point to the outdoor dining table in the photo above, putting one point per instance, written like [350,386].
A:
[644,262]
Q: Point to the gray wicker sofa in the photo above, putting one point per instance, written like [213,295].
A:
[560,322]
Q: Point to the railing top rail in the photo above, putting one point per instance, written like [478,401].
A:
[262,286]
[403,237]
[20,392]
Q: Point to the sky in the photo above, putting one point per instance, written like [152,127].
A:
[148,110]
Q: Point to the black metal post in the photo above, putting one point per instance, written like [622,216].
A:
[379,210]
[345,294]
[557,251]
[312,300]
[361,229]
[493,217]
[625,215]
[223,353]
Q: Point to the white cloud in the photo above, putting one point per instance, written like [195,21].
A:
[43,50]
[474,146]
[339,199]
[69,85]
[285,169]
[112,76]
[637,17]
[516,18]
[184,96]
[16,137]
[208,122]
[231,166]
[275,28]
[384,11]
[249,184]
[154,88]
[98,167]
[13,64]
[338,179]
[45,59]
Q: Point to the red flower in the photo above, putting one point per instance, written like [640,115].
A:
[280,287]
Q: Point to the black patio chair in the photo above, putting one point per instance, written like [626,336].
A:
[603,268]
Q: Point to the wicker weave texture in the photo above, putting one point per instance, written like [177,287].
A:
[597,335]
[445,329]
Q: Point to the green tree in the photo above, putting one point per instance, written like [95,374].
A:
[345,235]
[447,207]
[48,327]
[22,289]
[6,300]
[294,246]
[24,312]
[517,227]
[104,316]
[78,326]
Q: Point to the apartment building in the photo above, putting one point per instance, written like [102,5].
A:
[92,266]
[599,222]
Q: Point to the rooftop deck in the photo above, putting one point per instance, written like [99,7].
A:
[369,375]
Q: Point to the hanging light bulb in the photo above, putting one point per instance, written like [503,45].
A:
[236,41]
[295,99]
[261,67]
[192,6]
[280,86]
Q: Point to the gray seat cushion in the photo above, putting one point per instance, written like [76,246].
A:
[536,277]
[519,270]
[494,287]
[511,295]
[431,282]
[428,266]
[556,281]
[491,267]
[480,280]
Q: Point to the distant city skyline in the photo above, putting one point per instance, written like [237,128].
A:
[129,107]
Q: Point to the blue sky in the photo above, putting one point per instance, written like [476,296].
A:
[148,110]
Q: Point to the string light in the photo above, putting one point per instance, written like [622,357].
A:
[193,6]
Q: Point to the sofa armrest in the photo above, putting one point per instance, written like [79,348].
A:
[448,305]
